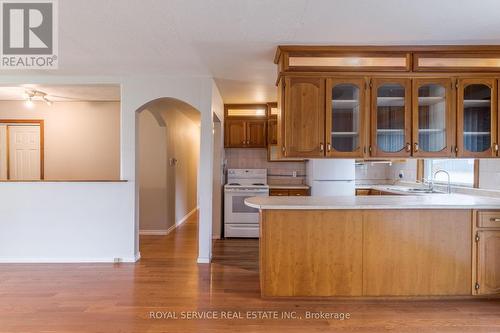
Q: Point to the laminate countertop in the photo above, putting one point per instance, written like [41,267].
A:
[428,201]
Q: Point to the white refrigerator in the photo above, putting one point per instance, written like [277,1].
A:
[331,177]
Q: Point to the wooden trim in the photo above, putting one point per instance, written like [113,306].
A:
[448,150]
[476,173]
[38,122]
[389,48]
[420,169]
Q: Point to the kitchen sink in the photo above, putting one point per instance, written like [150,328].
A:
[424,190]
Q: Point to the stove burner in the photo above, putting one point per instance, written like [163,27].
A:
[258,184]
[235,184]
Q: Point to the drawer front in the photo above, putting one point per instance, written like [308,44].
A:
[278,193]
[298,192]
[488,219]
[360,191]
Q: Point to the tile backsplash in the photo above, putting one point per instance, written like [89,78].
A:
[385,173]
[256,158]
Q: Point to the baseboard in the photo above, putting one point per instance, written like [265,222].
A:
[163,232]
[66,260]
[201,260]
[186,217]
[159,232]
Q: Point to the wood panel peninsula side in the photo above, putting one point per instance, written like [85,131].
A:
[411,246]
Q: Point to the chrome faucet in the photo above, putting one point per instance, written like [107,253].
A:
[449,179]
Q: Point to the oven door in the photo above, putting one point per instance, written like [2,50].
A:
[235,210]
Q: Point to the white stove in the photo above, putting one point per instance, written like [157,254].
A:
[239,219]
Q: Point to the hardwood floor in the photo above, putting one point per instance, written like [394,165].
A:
[119,298]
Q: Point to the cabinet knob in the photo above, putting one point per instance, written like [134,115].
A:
[408,147]
[321,147]
[328,147]
[416,147]
[495,146]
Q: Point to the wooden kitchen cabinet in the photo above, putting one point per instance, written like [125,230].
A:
[488,262]
[345,117]
[487,253]
[256,133]
[235,133]
[272,130]
[390,117]
[433,117]
[244,133]
[440,102]
[303,117]
[477,118]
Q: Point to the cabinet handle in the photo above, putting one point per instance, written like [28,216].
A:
[415,147]
[495,219]
[495,146]
[328,147]
[321,147]
[408,147]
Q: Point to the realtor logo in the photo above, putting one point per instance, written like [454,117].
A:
[29,34]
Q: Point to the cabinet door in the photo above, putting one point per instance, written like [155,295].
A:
[304,117]
[488,262]
[476,118]
[278,193]
[235,133]
[256,133]
[298,192]
[272,131]
[432,118]
[345,125]
[391,117]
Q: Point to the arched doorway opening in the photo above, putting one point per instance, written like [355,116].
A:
[168,158]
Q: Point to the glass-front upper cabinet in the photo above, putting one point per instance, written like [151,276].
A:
[391,117]
[432,118]
[345,123]
[476,118]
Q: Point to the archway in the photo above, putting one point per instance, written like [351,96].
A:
[167,159]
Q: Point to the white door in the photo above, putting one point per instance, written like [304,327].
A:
[3,152]
[24,152]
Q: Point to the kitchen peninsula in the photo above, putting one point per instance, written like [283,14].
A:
[433,245]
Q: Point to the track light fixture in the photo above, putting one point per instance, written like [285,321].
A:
[30,95]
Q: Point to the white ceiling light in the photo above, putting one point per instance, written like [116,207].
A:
[31,95]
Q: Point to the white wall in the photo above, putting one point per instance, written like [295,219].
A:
[65,222]
[489,174]
[153,174]
[184,147]
[136,92]
[81,139]
[3,152]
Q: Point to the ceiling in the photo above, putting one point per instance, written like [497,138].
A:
[234,40]
[63,93]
